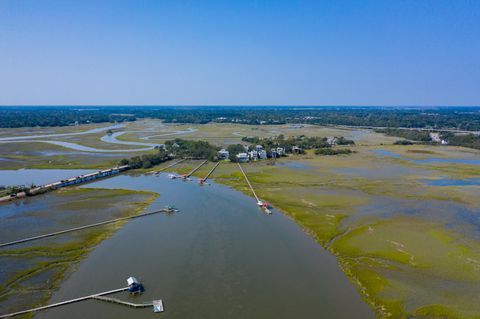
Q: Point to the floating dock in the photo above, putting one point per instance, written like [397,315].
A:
[165,210]
[203,180]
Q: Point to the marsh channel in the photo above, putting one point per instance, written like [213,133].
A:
[219,257]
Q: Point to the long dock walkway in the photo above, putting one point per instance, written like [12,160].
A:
[15,242]
[66,302]
[66,182]
[203,180]
[171,165]
[195,169]
[248,182]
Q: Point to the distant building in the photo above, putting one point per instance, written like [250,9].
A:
[332,140]
[223,154]
[280,151]
[435,137]
[253,155]
[242,157]
[258,148]
[262,154]
[296,149]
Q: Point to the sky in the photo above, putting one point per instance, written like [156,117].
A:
[349,52]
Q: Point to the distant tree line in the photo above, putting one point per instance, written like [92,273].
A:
[435,118]
[455,139]
[34,116]
[175,148]
[193,149]
[301,141]
[414,135]
[465,140]
[147,160]
[333,151]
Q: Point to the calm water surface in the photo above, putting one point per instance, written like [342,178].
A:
[219,257]
[453,182]
[468,161]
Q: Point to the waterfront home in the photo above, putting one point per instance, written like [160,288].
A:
[242,157]
[223,154]
[280,151]
[253,155]
[332,140]
[262,154]
[296,149]
[258,148]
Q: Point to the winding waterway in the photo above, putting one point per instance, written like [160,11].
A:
[219,257]
[108,138]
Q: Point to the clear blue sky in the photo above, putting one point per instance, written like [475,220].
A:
[384,52]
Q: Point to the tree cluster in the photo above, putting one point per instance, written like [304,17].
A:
[333,151]
[147,160]
[193,149]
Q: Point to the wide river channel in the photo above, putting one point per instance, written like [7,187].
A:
[219,257]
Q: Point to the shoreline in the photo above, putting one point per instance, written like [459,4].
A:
[73,251]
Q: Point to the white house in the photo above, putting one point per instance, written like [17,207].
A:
[435,137]
[280,151]
[295,149]
[262,154]
[258,148]
[332,140]
[223,154]
[242,157]
[253,155]
[131,281]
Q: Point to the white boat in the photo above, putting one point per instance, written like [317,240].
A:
[172,176]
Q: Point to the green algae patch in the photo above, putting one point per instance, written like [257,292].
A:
[411,258]
[54,258]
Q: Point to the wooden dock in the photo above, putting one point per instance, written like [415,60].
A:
[203,180]
[259,201]
[81,179]
[195,169]
[171,165]
[248,182]
[124,303]
[24,240]
[66,302]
